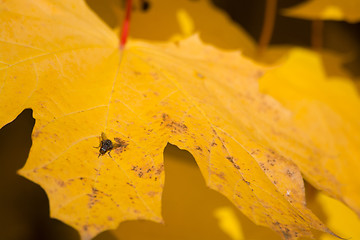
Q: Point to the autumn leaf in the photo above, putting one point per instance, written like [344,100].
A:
[326,10]
[194,96]
[191,210]
[333,142]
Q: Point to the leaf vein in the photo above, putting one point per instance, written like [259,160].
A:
[65,150]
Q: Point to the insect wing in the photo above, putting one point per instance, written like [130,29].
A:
[103,136]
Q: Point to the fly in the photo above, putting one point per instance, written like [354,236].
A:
[106,145]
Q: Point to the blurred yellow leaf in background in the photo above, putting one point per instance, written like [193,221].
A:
[183,19]
[345,10]
[332,108]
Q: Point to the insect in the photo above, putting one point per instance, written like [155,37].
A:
[106,145]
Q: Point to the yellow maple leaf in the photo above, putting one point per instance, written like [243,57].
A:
[197,97]
[346,10]
[327,111]
[191,210]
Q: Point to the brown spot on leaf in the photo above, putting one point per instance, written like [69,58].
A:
[94,190]
[140,174]
[199,75]
[120,145]
[36,134]
[287,234]
[271,160]
[93,196]
[198,148]
[219,174]
[134,168]
[231,159]
[176,127]
[255,152]
[152,193]
[160,169]
[262,165]
[130,184]
[248,183]
[61,183]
